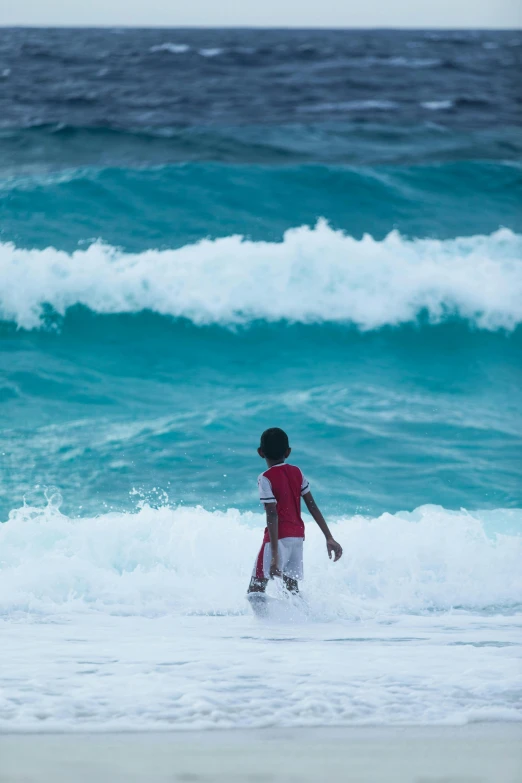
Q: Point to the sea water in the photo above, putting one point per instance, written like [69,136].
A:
[207,233]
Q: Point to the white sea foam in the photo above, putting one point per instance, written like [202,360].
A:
[138,621]
[405,62]
[342,106]
[173,48]
[312,276]
[89,673]
[211,52]
[437,105]
[189,560]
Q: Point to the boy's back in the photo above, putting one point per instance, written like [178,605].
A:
[284,485]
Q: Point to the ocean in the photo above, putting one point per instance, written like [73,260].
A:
[205,233]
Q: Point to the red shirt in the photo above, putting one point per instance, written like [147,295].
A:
[284,485]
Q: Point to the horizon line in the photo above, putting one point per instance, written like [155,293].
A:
[398,28]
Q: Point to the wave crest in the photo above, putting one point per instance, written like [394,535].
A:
[189,560]
[314,275]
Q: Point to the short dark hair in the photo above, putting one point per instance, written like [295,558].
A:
[274,443]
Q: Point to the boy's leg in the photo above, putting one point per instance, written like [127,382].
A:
[293,568]
[257,585]
[259,579]
[291,585]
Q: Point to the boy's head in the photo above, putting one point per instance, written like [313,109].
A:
[274,444]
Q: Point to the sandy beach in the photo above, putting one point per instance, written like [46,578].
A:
[479,753]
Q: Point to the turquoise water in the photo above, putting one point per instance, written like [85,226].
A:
[150,361]
[171,206]
[180,270]
[381,420]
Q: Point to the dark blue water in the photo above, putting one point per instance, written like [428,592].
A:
[205,233]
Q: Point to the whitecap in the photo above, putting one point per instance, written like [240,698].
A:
[399,61]
[211,52]
[173,48]
[361,105]
[413,62]
[313,275]
[437,105]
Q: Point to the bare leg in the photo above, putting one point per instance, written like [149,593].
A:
[291,584]
[257,585]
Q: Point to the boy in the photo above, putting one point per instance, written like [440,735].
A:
[280,490]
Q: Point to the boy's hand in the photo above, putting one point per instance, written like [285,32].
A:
[334,549]
[274,569]
[332,546]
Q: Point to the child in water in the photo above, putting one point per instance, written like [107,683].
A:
[281,488]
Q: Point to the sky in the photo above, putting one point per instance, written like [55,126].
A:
[265,13]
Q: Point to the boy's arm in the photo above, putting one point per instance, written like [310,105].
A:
[272,523]
[332,546]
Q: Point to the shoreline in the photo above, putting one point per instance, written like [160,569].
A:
[471,753]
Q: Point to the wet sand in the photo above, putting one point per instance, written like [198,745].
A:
[478,753]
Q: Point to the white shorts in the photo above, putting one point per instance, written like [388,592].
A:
[289,555]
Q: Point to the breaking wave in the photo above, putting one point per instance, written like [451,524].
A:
[313,276]
[192,561]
